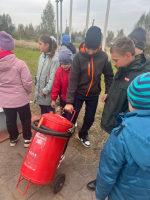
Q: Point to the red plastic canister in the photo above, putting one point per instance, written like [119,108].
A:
[43,156]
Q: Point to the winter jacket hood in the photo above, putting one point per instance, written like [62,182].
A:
[7,60]
[70,46]
[15,81]
[82,50]
[138,142]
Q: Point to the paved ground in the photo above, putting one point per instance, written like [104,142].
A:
[79,170]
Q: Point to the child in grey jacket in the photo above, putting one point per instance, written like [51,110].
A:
[47,66]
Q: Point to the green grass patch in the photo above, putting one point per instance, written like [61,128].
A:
[30,57]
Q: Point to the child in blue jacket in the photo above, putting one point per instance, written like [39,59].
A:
[124,169]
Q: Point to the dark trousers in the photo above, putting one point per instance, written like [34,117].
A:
[11,121]
[90,109]
[46,109]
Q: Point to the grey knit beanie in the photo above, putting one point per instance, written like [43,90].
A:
[138,35]
[65,56]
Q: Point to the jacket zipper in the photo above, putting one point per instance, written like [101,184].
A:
[91,77]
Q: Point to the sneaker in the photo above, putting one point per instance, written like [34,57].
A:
[14,142]
[61,159]
[27,143]
[85,141]
[91,185]
[76,125]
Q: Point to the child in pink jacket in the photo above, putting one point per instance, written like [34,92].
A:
[15,86]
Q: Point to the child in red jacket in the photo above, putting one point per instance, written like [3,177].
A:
[61,83]
[62,77]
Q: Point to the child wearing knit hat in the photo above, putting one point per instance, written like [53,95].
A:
[66,44]
[62,77]
[138,36]
[89,63]
[124,169]
[15,86]
[61,83]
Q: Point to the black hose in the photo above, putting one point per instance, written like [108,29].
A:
[45,130]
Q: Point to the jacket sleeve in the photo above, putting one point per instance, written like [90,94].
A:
[49,86]
[108,74]
[73,80]
[56,86]
[26,78]
[73,49]
[111,162]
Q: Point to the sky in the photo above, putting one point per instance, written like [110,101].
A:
[123,14]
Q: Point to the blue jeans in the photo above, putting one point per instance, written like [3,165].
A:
[90,110]
[46,109]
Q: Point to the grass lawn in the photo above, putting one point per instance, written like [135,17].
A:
[30,57]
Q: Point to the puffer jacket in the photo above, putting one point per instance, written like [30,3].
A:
[116,101]
[45,78]
[124,169]
[60,83]
[86,72]
[15,81]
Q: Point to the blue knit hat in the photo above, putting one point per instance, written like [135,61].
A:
[65,56]
[139,92]
[65,39]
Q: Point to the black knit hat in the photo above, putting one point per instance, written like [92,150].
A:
[93,38]
[138,35]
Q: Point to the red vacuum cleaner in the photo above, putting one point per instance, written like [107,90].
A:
[43,156]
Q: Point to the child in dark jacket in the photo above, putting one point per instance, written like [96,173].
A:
[124,169]
[62,78]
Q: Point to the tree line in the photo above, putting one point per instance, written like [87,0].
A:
[48,26]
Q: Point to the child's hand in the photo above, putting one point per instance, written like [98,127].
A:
[103,99]
[42,94]
[69,108]
[53,104]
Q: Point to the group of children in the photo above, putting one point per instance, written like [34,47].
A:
[124,169]
[16,83]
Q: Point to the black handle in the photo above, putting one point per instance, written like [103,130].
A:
[45,130]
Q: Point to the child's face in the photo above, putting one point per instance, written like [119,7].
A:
[43,47]
[121,61]
[91,51]
[65,67]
